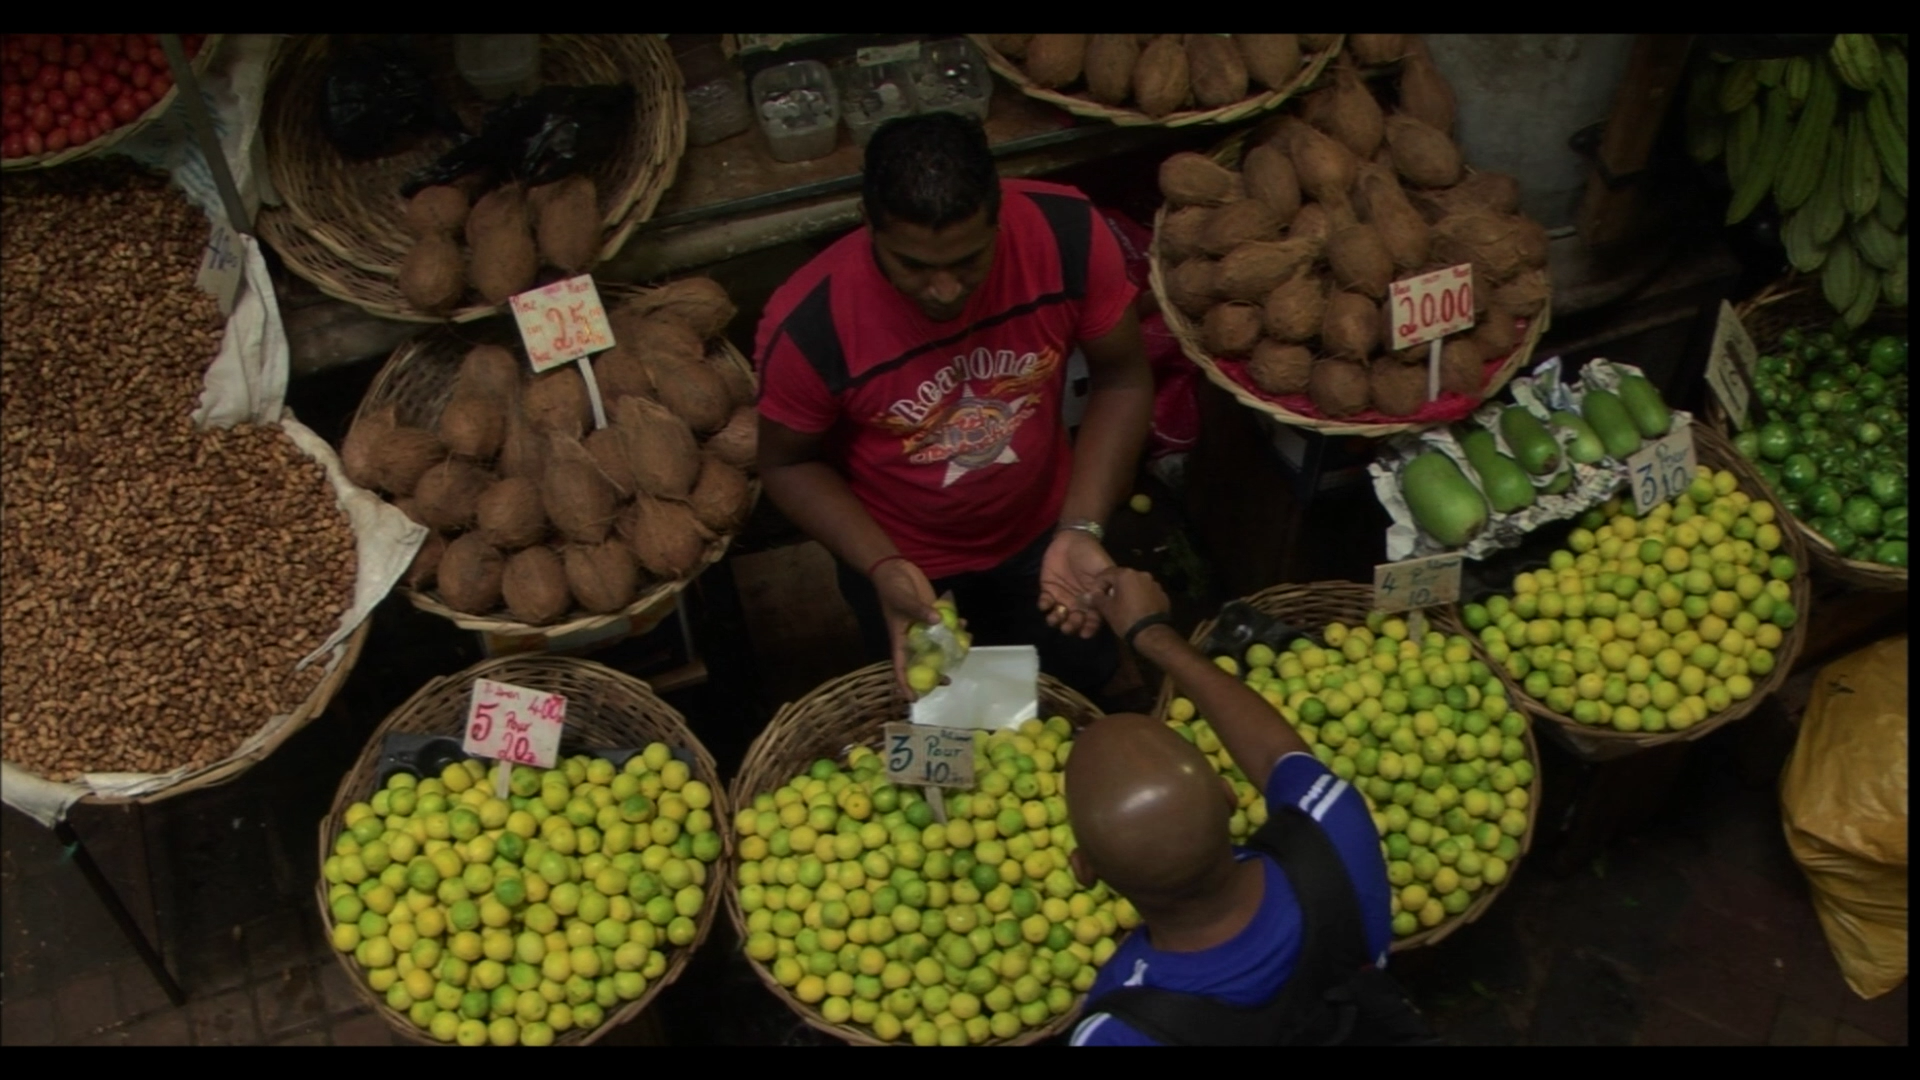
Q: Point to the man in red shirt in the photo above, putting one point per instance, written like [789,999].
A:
[910,409]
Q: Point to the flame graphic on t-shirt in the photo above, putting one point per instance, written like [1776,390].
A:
[973,430]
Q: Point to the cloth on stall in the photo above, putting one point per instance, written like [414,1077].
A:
[1843,803]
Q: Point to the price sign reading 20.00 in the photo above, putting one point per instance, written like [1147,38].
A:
[926,755]
[1432,305]
[514,724]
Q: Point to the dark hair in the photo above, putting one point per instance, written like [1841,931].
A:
[933,170]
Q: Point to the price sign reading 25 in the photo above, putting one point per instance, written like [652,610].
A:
[925,755]
[1432,305]
[562,322]
[514,724]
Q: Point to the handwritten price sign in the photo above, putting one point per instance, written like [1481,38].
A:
[562,322]
[1416,583]
[926,755]
[514,724]
[1432,305]
[220,267]
[1728,364]
[1660,472]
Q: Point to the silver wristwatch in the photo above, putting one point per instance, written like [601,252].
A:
[1091,528]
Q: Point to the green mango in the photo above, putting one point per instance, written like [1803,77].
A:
[1443,501]
[1505,482]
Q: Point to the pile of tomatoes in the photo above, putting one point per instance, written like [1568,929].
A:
[63,90]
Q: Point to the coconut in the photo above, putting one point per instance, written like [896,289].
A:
[1462,367]
[360,449]
[1180,231]
[610,453]
[1347,111]
[1325,166]
[620,373]
[1218,71]
[468,577]
[1055,60]
[1531,236]
[502,259]
[557,403]
[1493,243]
[436,209]
[1524,296]
[1425,156]
[510,514]
[1109,62]
[696,394]
[1384,206]
[473,427]
[410,507]
[1397,389]
[1294,310]
[567,222]
[578,497]
[1280,369]
[1162,79]
[1376,49]
[432,277]
[665,536]
[1010,45]
[737,443]
[1252,270]
[403,455]
[720,497]
[1338,387]
[1486,192]
[426,562]
[701,303]
[664,342]
[448,494]
[1270,178]
[1360,261]
[1273,60]
[1314,43]
[523,452]
[602,577]
[1191,179]
[737,378]
[488,371]
[1496,335]
[1231,329]
[661,451]
[534,585]
[1194,286]
[1424,93]
[1236,223]
[1351,326]
[1313,222]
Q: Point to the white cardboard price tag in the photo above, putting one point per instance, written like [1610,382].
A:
[562,322]
[1416,583]
[1730,366]
[1432,305]
[925,755]
[513,724]
[221,267]
[1662,470]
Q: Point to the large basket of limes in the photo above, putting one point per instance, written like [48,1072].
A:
[876,922]
[1833,444]
[1645,631]
[1421,729]
[553,915]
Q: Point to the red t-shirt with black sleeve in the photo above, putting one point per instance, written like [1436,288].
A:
[949,433]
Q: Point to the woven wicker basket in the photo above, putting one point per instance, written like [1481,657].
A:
[1598,743]
[307,712]
[343,223]
[125,131]
[605,710]
[418,380]
[826,723]
[1007,69]
[1311,607]
[1795,303]
[1230,375]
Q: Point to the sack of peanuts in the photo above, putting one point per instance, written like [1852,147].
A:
[185,565]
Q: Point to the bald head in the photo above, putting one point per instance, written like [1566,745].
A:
[1147,808]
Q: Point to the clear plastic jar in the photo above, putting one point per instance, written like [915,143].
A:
[498,65]
[799,109]
[717,105]
[872,95]
[952,76]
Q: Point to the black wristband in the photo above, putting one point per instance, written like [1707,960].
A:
[1158,618]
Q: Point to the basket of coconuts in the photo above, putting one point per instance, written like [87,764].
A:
[544,524]
[1273,257]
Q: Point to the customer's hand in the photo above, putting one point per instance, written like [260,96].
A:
[906,599]
[1124,597]
[1069,573]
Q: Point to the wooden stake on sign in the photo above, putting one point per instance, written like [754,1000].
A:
[1433,371]
[593,394]
[937,799]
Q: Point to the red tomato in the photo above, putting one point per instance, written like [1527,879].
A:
[13,96]
[79,132]
[162,82]
[52,53]
[12,122]
[124,109]
[56,140]
[57,100]
[70,81]
[82,110]
[33,143]
[143,100]
[36,95]
[111,44]
[136,49]
[95,98]
[142,75]
[29,68]
[77,54]
[111,85]
[49,77]
[90,75]
[13,146]
[123,67]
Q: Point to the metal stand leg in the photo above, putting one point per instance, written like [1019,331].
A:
[1306,488]
[103,889]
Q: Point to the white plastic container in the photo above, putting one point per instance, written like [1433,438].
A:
[872,95]
[799,109]
[717,105]
[498,65]
[952,76]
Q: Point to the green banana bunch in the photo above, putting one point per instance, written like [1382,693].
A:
[1806,149]
[1706,124]
[1770,126]
[1856,58]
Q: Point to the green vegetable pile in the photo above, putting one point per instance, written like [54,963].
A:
[1834,447]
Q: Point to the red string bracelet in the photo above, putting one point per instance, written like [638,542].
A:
[880,562]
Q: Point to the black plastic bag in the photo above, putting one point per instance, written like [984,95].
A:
[1240,626]
[377,95]
[538,139]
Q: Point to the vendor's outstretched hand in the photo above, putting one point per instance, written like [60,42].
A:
[1124,597]
[906,598]
[1069,575]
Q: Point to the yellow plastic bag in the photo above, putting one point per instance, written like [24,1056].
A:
[1843,801]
